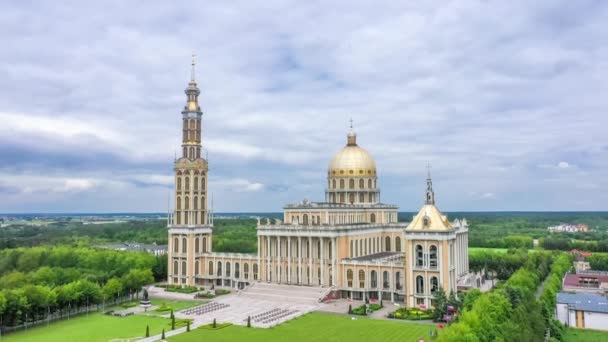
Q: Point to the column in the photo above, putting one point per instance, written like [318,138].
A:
[322,262]
[268,259]
[334,257]
[299,260]
[309,260]
[279,259]
[259,258]
[289,260]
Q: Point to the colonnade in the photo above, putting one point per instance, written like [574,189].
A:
[302,260]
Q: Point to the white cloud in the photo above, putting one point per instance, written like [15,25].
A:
[563,165]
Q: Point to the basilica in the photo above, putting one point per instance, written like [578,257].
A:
[350,244]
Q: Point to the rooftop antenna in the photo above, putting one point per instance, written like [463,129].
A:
[351,124]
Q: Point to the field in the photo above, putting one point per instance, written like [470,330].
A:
[96,327]
[315,327]
[583,335]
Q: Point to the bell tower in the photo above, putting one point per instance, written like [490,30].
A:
[190,228]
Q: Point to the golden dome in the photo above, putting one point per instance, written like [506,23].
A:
[352,160]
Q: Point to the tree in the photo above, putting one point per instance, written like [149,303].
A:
[112,289]
[350,309]
[214,324]
[147,331]
[188,326]
[441,302]
[248,321]
[162,336]
[172,320]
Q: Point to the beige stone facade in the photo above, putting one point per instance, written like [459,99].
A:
[351,244]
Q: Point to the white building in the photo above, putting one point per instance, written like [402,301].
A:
[583,310]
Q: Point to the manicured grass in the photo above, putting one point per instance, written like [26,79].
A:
[315,327]
[584,335]
[95,327]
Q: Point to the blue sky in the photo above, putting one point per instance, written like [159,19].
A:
[507,100]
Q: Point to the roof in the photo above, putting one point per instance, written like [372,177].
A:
[575,279]
[376,256]
[429,217]
[584,301]
[353,158]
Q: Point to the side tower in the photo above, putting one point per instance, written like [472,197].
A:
[436,252]
[189,225]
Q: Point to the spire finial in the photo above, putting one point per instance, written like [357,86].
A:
[430,194]
[193,65]
[351,136]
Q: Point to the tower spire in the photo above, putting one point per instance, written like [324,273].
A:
[430,194]
[192,74]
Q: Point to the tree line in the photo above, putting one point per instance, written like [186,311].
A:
[40,281]
[511,312]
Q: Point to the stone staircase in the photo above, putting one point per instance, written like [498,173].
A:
[284,293]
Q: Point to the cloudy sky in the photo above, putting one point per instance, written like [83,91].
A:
[508,100]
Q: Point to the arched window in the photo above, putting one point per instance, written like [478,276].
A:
[361,198]
[196,268]
[210,267]
[419,256]
[372,218]
[179,203]
[227,269]
[183,268]
[176,245]
[385,280]
[374,278]
[333,183]
[351,197]
[341,183]
[204,245]
[219,268]
[175,268]
[246,270]
[191,124]
[203,183]
[398,244]
[255,271]
[187,203]
[196,245]
[351,184]
[434,284]
[187,183]
[195,183]
[419,285]
[179,183]
[195,202]
[361,279]
[305,219]
[387,244]
[433,256]
[349,277]
[361,184]
[184,245]
[369,184]
[237,270]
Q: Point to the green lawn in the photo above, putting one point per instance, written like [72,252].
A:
[176,305]
[315,327]
[584,335]
[95,327]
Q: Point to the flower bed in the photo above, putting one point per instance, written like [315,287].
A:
[411,314]
[360,310]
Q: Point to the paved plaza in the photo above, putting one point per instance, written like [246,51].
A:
[266,304]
